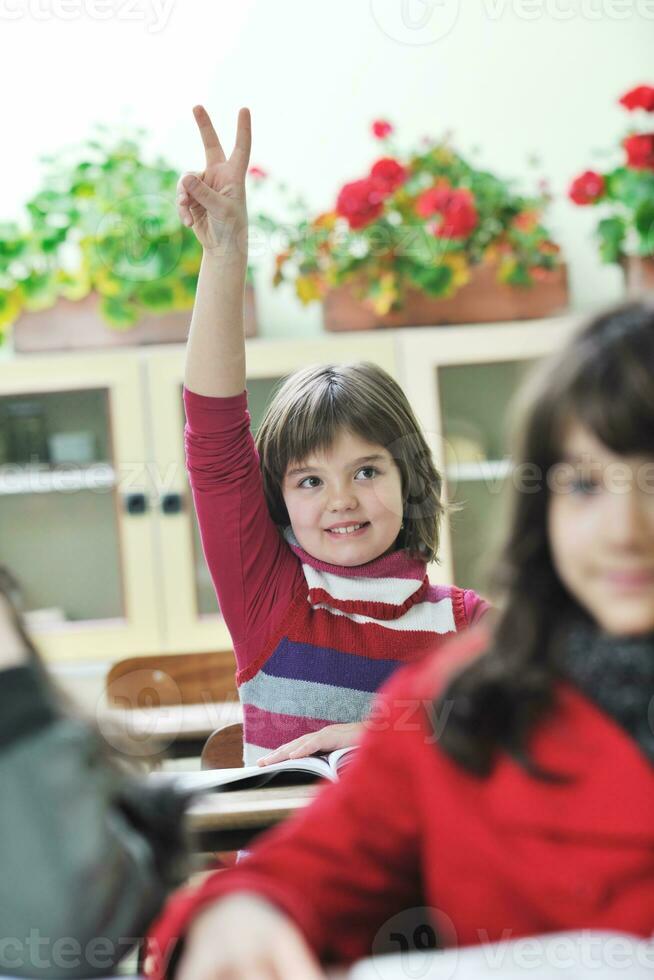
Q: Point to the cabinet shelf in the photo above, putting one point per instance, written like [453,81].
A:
[481,470]
[98,476]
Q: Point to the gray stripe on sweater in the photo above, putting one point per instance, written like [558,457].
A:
[306,699]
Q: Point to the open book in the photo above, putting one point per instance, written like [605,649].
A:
[252,777]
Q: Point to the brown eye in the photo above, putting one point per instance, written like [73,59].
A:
[371,472]
[584,486]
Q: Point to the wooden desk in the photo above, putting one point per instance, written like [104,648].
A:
[227,821]
[177,731]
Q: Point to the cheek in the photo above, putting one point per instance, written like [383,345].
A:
[566,539]
[386,499]
[300,508]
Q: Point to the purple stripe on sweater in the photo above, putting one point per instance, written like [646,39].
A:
[305,662]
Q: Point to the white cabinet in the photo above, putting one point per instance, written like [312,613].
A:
[96,517]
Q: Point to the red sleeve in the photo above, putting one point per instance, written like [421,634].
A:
[254,572]
[356,847]
[475,606]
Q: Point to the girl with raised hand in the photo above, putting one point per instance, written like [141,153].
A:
[318,537]
[507,783]
[88,852]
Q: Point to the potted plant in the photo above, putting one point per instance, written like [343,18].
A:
[424,238]
[624,194]
[103,259]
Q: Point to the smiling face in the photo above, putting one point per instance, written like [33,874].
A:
[601,531]
[345,504]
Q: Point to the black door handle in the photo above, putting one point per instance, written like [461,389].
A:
[136,503]
[172,503]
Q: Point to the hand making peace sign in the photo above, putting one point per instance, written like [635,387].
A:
[212,201]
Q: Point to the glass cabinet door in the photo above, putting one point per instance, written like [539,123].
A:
[73,511]
[460,381]
[474,403]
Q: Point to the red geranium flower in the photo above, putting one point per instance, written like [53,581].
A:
[387,175]
[430,201]
[586,188]
[456,209]
[640,151]
[641,97]
[360,202]
[381,128]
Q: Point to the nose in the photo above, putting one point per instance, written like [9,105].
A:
[342,497]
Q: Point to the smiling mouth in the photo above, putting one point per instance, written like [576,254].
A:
[631,580]
[349,529]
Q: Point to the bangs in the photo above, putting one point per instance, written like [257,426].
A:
[613,396]
[314,429]
[328,407]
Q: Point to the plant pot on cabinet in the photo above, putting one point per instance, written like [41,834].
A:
[482,300]
[639,274]
[78,325]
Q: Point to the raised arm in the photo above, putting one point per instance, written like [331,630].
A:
[212,202]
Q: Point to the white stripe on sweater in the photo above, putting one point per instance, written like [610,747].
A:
[430,617]
[393,591]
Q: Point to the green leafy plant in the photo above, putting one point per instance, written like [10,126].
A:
[419,220]
[104,221]
[624,192]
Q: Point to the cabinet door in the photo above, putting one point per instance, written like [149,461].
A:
[74,521]
[460,381]
[189,606]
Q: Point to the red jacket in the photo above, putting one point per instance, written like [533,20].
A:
[496,858]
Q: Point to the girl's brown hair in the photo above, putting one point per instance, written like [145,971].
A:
[604,380]
[314,404]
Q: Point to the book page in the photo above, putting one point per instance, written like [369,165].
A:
[340,758]
[243,777]
[580,955]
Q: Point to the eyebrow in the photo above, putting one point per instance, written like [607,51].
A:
[375,458]
[580,459]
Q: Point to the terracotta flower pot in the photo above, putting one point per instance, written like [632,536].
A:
[639,274]
[78,325]
[482,300]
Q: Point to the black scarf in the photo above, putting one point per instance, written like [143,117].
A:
[617,674]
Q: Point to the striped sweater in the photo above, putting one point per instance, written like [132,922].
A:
[313,641]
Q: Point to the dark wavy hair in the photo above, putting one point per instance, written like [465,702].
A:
[604,380]
[316,403]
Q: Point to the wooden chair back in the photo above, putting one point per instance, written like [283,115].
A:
[172,679]
[224,748]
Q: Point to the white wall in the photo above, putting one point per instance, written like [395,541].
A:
[513,77]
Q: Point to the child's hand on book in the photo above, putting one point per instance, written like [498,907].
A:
[212,201]
[328,739]
[243,936]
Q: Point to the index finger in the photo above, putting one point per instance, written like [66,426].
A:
[213,151]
